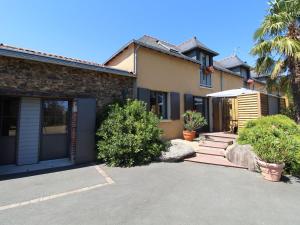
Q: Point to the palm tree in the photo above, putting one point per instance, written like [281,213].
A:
[277,45]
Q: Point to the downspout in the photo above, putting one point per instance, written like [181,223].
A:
[135,71]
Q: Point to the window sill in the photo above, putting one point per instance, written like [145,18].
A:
[204,86]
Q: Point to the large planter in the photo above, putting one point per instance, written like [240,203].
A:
[189,135]
[271,171]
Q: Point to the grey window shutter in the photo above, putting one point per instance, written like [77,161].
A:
[175,105]
[188,102]
[144,95]
[86,122]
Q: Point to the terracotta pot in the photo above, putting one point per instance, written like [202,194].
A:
[189,135]
[270,171]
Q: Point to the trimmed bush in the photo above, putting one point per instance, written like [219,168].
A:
[129,135]
[275,139]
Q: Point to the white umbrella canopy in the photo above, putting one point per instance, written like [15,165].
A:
[232,93]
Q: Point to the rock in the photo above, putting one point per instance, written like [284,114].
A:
[176,152]
[242,155]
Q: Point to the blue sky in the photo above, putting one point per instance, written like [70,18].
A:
[94,30]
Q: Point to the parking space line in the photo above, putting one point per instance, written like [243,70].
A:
[104,174]
[108,180]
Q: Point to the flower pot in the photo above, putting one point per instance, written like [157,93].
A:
[270,171]
[189,135]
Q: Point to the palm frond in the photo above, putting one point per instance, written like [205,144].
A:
[262,47]
[264,65]
[286,45]
[277,69]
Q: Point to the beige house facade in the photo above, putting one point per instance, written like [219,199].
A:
[172,79]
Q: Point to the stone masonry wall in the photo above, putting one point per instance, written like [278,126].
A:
[29,78]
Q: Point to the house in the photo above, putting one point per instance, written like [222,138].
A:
[235,64]
[48,105]
[174,78]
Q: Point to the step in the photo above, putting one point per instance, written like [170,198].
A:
[210,151]
[213,144]
[220,139]
[212,160]
[220,134]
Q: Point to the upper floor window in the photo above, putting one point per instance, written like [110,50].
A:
[159,104]
[205,78]
[244,72]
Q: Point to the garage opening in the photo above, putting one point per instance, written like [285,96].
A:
[9,110]
[55,129]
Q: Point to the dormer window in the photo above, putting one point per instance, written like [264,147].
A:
[205,75]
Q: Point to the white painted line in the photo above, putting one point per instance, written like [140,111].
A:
[108,179]
[104,174]
[46,198]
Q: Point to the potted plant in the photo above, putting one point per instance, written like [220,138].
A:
[276,142]
[209,70]
[274,149]
[192,121]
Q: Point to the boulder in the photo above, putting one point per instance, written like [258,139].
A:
[176,152]
[242,155]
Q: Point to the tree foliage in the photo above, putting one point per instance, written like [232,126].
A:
[276,40]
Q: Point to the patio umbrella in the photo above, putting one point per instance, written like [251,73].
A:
[231,93]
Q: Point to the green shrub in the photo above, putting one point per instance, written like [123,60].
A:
[275,139]
[129,135]
[193,120]
[290,112]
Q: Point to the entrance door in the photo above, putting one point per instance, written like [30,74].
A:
[55,121]
[216,115]
[9,110]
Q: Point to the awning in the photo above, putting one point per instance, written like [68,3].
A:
[232,93]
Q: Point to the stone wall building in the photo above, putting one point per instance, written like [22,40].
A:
[48,105]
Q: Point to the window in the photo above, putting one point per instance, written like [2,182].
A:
[200,104]
[159,104]
[55,116]
[205,79]
[9,109]
[244,73]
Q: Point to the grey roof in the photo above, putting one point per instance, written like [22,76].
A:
[194,43]
[157,45]
[232,61]
[11,51]
[164,47]
[220,67]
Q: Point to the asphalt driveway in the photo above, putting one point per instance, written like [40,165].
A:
[161,193]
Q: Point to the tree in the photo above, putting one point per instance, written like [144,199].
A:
[277,45]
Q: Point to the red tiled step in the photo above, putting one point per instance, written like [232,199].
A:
[210,151]
[212,160]
[220,139]
[220,134]
[213,144]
